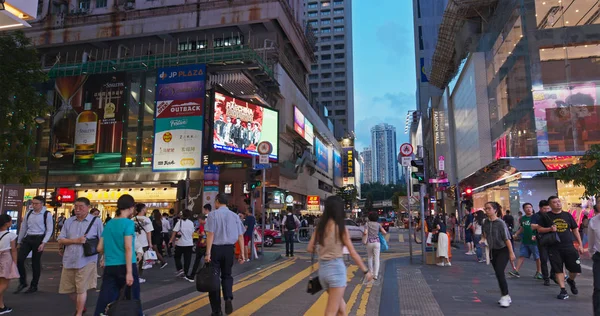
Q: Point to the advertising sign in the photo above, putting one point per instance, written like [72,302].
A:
[239,127]
[211,185]
[348,165]
[337,169]
[88,124]
[12,198]
[303,126]
[179,118]
[322,153]
[313,203]
[68,195]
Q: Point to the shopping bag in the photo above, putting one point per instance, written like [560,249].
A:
[123,306]
[207,279]
[429,239]
[383,243]
[150,255]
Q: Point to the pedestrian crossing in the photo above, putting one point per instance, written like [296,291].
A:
[280,289]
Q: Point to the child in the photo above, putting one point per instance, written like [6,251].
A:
[8,259]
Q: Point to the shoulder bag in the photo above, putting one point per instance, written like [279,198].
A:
[124,306]
[551,238]
[314,285]
[90,247]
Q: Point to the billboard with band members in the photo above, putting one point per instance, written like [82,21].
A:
[239,126]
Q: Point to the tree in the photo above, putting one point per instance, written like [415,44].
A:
[584,173]
[20,104]
[349,194]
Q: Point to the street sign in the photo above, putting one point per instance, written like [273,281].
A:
[265,148]
[441,163]
[263,159]
[262,167]
[406,149]
[406,161]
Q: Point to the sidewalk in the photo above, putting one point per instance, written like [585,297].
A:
[470,288]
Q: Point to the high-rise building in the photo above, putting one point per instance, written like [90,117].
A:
[331,79]
[366,156]
[384,163]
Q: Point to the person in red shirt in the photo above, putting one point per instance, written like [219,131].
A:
[200,246]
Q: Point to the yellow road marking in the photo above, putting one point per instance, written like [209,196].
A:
[256,304]
[353,296]
[318,308]
[401,237]
[202,300]
[364,299]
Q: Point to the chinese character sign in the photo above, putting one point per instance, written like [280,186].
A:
[179,118]
[313,203]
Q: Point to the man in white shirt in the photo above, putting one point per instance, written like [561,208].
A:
[290,225]
[143,238]
[594,249]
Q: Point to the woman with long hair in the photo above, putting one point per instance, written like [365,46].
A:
[372,230]
[477,226]
[443,243]
[184,244]
[120,265]
[496,235]
[157,241]
[328,240]
[8,259]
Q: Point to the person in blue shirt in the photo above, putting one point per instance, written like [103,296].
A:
[120,268]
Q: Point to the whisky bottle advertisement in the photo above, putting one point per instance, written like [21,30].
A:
[86,129]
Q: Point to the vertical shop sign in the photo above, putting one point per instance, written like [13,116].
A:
[179,118]
[211,185]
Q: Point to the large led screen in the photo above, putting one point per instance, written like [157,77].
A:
[322,153]
[239,126]
[303,126]
[337,169]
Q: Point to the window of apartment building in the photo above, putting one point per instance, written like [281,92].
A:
[326,57]
[338,20]
[189,46]
[313,76]
[340,112]
[313,5]
[340,102]
[338,29]
[326,94]
[325,39]
[338,11]
[101,3]
[228,41]
[338,46]
[421,47]
[339,84]
[313,14]
[326,30]
[340,93]
[338,3]
[339,55]
[326,103]
[326,75]
[326,22]
[325,47]
[314,67]
[338,38]
[84,4]
[326,66]
[340,75]
[313,23]
[325,84]
[339,65]
[325,13]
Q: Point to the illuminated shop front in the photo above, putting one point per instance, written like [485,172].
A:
[161,198]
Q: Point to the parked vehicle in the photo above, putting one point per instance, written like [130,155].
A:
[384,223]
[272,237]
[355,230]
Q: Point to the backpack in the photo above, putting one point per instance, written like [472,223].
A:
[290,223]
[45,217]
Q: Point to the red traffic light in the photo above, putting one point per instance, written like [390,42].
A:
[468,191]
[59,198]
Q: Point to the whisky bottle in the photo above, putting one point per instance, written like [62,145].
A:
[85,135]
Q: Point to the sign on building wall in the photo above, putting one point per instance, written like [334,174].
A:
[337,169]
[348,162]
[313,203]
[179,118]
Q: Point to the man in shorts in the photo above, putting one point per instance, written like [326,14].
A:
[528,243]
[469,232]
[79,271]
[562,253]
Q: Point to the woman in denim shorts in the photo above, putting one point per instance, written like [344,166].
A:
[329,238]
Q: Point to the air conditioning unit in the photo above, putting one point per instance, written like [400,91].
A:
[130,5]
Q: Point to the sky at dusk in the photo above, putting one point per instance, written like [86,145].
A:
[384,66]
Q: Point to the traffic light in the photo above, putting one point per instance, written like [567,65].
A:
[247,199]
[55,199]
[251,179]
[181,194]
[255,184]
[468,193]
[419,174]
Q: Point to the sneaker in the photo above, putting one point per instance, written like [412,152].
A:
[509,299]
[515,273]
[146,266]
[538,276]
[142,281]
[228,307]
[179,273]
[164,265]
[5,310]
[449,264]
[469,253]
[481,260]
[547,282]
[563,295]
[189,279]
[441,264]
[505,301]
[98,276]
[573,287]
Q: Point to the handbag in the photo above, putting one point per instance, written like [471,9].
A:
[383,243]
[365,234]
[429,239]
[314,285]
[150,255]
[435,237]
[207,279]
[123,306]
[90,247]
[550,238]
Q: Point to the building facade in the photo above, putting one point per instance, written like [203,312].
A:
[384,154]
[530,75]
[367,158]
[331,79]
[132,67]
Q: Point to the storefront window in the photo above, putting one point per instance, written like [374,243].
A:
[133,120]
[565,13]
[571,197]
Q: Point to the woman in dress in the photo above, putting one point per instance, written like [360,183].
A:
[443,243]
[331,236]
[372,230]
[8,259]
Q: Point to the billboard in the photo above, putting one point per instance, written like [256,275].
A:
[88,124]
[313,203]
[179,118]
[303,126]
[348,165]
[322,153]
[239,126]
[337,169]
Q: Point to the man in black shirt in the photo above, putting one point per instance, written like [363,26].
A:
[535,220]
[562,253]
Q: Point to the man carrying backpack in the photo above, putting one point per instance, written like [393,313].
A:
[290,225]
[35,232]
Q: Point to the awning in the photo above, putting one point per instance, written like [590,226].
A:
[16,13]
